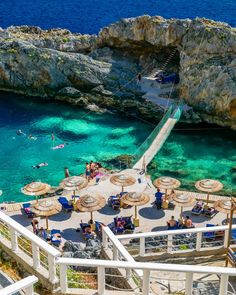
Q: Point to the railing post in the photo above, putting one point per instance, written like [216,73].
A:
[224,279]
[63,278]
[52,269]
[142,246]
[199,241]
[146,282]
[104,239]
[14,240]
[29,290]
[101,280]
[226,236]
[189,283]
[128,274]
[169,243]
[36,256]
[115,252]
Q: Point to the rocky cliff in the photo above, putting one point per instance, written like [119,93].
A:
[102,70]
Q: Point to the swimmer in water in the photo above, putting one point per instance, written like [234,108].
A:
[32,137]
[20,132]
[60,146]
[40,165]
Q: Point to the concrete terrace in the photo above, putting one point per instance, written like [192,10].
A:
[151,219]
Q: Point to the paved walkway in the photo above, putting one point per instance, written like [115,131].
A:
[151,219]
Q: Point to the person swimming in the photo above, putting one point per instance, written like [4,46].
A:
[40,165]
[20,133]
[60,146]
[32,137]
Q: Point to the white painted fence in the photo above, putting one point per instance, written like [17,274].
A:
[35,251]
[101,275]
[26,285]
[176,241]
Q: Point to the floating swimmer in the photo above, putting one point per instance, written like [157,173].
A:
[20,133]
[60,146]
[32,137]
[40,165]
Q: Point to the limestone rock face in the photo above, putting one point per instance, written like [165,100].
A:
[102,70]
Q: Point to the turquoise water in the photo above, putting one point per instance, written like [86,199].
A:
[194,155]
[95,137]
[187,155]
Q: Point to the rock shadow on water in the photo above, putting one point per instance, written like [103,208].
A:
[107,210]
[151,213]
[69,135]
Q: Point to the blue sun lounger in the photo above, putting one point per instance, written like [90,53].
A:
[65,204]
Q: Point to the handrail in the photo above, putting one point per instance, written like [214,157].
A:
[19,286]
[142,148]
[148,266]
[28,235]
[174,232]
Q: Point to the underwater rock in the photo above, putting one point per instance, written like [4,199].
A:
[121,160]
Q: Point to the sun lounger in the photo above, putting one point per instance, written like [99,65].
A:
[86,234]
[209,212]
[27,210]
[56,237]
[65,204]
[197,209]
[114,202]
[123,225]
[209,235]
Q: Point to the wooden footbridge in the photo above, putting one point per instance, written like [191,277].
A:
[151,146]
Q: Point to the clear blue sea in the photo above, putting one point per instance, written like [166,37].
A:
[187,155]
[88,16]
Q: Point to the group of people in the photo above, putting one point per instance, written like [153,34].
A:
[163,200]
[181,223]
[92,169]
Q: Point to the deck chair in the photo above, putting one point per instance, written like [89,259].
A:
[27,210]
[56,240]
[209,235]
[65,204]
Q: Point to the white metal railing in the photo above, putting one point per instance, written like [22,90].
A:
[20,239]
[118,250]
[176,241]
[147,268]
[26,285]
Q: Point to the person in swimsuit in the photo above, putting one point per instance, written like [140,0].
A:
[40,165]
[87,171]
[20,132]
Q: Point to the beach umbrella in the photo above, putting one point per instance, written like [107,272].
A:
[135,199]
[46,208]
[90,203]
[74,183]
[182,200]
[36,189]
[208,186]
[224,206]
[122,180]
[165,183]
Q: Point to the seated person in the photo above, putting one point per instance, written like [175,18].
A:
[172,223]
[120,224]
[165,202]
[158,196]
[188,223]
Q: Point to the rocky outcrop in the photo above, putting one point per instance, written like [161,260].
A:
[101,70]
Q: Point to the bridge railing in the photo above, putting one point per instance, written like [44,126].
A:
[26,285]
[145,145]
[36,252]
[177,241]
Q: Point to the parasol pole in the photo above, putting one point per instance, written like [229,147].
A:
[122,189]
[181,211]
[227,216]
[207,198]
[135,212]
[91,217]
[46,222]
